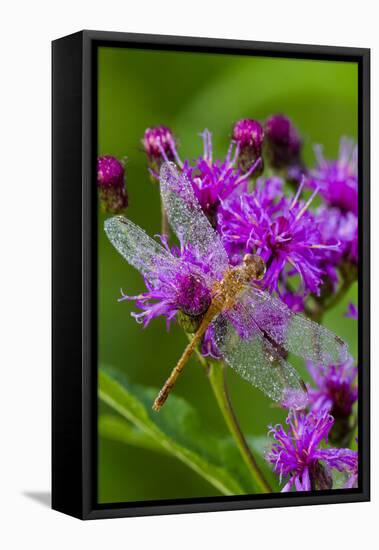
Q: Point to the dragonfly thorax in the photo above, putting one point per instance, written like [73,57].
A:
[237,278]
[251,269]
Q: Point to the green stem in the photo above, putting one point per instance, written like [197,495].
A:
[323,306]
[342,291]
[217,378]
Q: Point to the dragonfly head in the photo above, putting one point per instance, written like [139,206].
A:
[255,266]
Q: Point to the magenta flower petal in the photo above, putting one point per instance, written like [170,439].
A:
[283,232]
[336,390]
[337,180]
[212,180]
[352,312]
[186,290]
[341,226]
[298,456]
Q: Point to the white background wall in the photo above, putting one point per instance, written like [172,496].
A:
[26,31]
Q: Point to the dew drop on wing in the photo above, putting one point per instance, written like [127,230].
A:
[189,222]
[137,248]
[245,348]
[295,333]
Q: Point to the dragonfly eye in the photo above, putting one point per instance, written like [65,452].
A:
[256,266]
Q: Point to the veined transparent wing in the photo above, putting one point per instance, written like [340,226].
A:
[245,348]
[188,220]
[293,332]
[138,249]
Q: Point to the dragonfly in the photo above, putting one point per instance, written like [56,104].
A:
[254,332]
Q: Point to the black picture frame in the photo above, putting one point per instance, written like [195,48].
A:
[74,272]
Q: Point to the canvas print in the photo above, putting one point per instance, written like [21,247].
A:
[227,275]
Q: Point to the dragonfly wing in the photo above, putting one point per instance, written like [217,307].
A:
[293,332]
[189,221]
[138,249]
[244,347]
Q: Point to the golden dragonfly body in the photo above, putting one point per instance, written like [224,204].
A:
[253,331]
[224,296]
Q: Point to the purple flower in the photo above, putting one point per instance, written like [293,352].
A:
[293,301]
[212,180]
[352,482]
[336,390]
[283,232]
[337,180]
[343,227]
[159,144]
[183,292]
[283,142]
[183,289]
[208,344]
[352,312]
[248,134]
[297,455]
[111,184]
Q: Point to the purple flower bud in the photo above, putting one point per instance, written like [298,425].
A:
[159,145]
[248,135]
[213,180]
[111,184]
[284,142]
[193,296]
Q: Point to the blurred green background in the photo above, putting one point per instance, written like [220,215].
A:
[189,92]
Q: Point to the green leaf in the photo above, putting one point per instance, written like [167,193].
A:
[177,429]
[112,426]
[115,427]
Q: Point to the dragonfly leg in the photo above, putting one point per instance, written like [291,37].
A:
[168,385]
[213,310]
